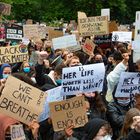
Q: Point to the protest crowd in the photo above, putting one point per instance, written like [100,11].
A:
[74,83]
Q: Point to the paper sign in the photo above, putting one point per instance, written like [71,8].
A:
[68,41]
[29,21]
[129,84]
[136,45]
[79,79]
[93,26]
[13,54]
[21,101]
[122,36]
[52,95]
[5,9]
[89,47]
[42,31]
[14,33]
[17,132]
[68,112]
[105,12]
[54,34]
[137,26]
[103,41]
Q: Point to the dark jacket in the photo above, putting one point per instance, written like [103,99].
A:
[115,115]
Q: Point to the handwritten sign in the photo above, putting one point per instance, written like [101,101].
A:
[21,101]
[93,26]
[68,112]
[103,41]
[31,31]
[122,36]
[129,84]
[68,41]
[5,9]
[17,132]
[2,33]
[87,78]
[89,47]
[13,54]
[14,33]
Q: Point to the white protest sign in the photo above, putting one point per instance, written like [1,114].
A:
[106,12]
[122,36]
[52,95]
[136,45]
[129,84]
[87,78]
[137,26]
[17,132]
[21,101]
[64,42]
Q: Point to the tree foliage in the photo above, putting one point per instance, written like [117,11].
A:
[48,10]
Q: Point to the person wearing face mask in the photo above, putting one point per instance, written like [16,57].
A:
[27,70]
[5,71]
[116,111]
[74,61]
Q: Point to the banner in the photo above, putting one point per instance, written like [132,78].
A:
[129,84]
[93,26]
[64,42]
[103,41]
[14,33]
[5,9]
[79,79]
[17,132]
[21,101]
[13,54]
[68,112]
[122,36]
[88,47]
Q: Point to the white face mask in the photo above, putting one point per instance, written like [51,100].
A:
[107,137]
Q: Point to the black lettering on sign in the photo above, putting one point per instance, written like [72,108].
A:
[69,75]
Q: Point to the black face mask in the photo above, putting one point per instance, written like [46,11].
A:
[98,61]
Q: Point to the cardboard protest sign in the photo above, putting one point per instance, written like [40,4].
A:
[13,54]
[79,79]
[129,84]
[21,101]
[93,26]
[17,132]
[122,36]
[5,9]
[113,26]
[64,42]
[42,31]
[106,12]
[137,26]
[103,41]
[2,33]
[29,21]
[88,47]
[52,95]
[81,15]
[31,31]
[14,33]
[54,34]
[68,112]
